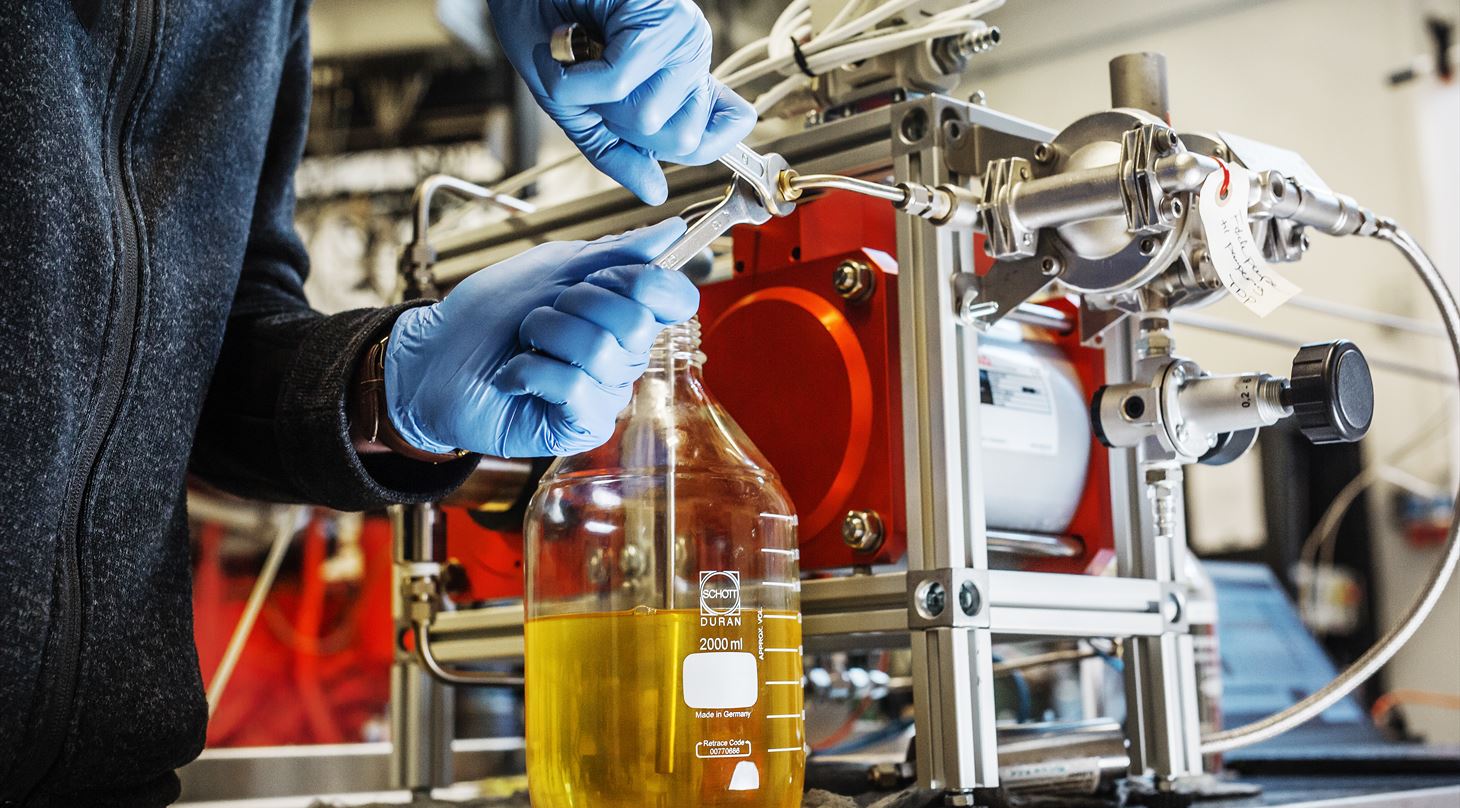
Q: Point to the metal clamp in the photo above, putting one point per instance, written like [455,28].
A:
[1148,210]
[951,597]
[1005,237]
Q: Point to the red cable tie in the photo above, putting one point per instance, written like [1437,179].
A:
[1226,181]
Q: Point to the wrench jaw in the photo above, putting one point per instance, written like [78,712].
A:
[762,172]
[741,205]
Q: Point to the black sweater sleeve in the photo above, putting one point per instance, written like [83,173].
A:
[274,423]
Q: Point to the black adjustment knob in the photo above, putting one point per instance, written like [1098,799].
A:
[1332,392]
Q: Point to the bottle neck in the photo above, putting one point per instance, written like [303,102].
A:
[677,349]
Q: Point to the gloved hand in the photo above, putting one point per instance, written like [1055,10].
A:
[650,96]
[536,355]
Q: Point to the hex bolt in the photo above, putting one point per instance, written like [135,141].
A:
[968,599]
[1171,208]
[1148,246]
[1044,153]
[1050,266]
[854,281]
[935,599]
[978,98]
[862,531]
[633,562]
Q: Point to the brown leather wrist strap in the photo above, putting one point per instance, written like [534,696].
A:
[370,428]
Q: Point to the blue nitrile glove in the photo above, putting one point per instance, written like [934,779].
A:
[649,98]
[536,355]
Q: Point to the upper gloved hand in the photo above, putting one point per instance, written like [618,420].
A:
[650,97]
[536,355]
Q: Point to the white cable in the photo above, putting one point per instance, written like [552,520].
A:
[1387,646]
[284,534]
[1327,527]
[785,62]
[775,95]
[1317,556]
[844,41]
[1397,477]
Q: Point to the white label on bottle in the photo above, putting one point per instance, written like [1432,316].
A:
[745,778]
[721,681]
[1016,404]
[1236,257]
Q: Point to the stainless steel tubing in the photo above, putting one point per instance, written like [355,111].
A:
[1387,646]
[1028,543]
[808,182]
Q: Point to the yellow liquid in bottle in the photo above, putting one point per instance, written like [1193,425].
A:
[608,725]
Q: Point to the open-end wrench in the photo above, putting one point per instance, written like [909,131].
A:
[763,173]
[741,205]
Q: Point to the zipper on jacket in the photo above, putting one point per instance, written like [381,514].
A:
[55,721]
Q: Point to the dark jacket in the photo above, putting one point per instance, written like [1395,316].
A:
[151,310]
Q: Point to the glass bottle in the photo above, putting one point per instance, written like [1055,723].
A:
[663,635]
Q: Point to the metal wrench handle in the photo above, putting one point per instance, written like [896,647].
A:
[740,206]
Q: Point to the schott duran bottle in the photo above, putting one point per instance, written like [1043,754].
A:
[663,611]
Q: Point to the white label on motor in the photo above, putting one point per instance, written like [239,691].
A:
[1235,256]
[1016,403]
[1074,776]
[721,681]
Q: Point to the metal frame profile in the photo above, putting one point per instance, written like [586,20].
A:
[949,603]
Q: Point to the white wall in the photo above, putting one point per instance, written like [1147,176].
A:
[1310,75]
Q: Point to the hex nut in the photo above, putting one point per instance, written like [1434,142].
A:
[862,531]
[854,281]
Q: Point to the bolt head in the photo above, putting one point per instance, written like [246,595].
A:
[862,531]
[632,562]
[1148,246]
[968,599]
[935,599]
[1050,266]
[1165,141]
[853,281]
[1173,608]
[978,98]
[1043,153]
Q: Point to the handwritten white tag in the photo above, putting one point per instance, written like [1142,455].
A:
[1237,258]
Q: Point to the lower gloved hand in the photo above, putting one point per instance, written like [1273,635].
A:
[536,355]
[650,97]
